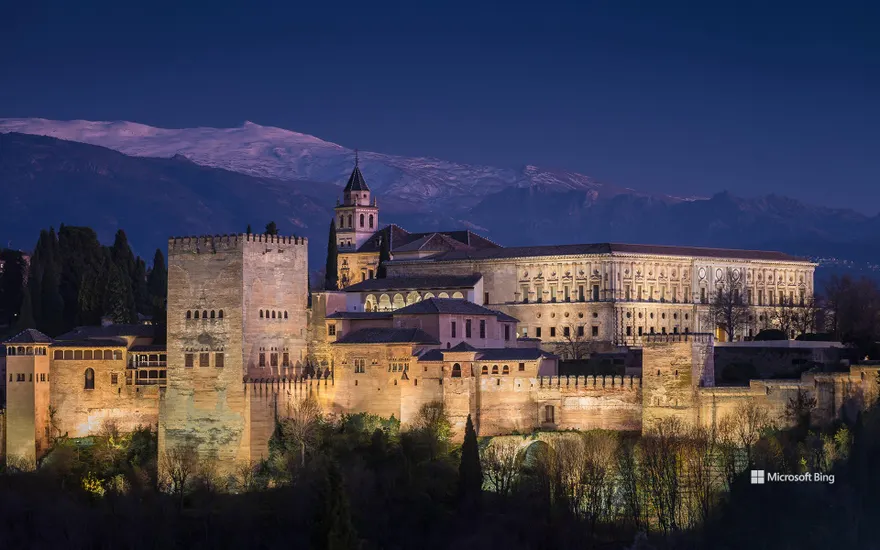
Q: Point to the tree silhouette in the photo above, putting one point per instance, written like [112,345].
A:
[470,473]
[271,229]
[331,275]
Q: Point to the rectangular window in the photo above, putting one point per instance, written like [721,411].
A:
[273,359]
[552,332]
[507,332]
[537,332]
[262,359]
[553,294]
[629,331]
[360,366]
[453,329]
[485,298]
[595,331]
[525,332]
[580,293]
[702,295]
[43,377]
[595,293]
[651,293]
[219,359]
[770,297]
[566,294]
[566,332]
[627,294]
[539,293]
[525,294]
[114,378]
[482,328]
[371,273]
[749,296]
[204,359]
[640,331]
[522,367]
[581,330]
[331,329]
[640,294]
[188,360]
[467,328]
[675,295]
[285,359]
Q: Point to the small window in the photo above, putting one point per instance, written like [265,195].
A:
[505,369]
[114,378]
[261,314]
[87,354]
[467,328]
[362,220]
[205,314]
[456,370]
[196,314]
[285,359]
[485,369]
[331,329]
[285,315]
[273,314]
[220,314]
[189,314]
[188,360]
[262,359]
[482,328]
[89,379]
[537,332]
[453,329]
[59,354]
[117,355]
[78,355]
[204,359]
[595,331]
[213,314]
[552,332]
[522,367]
[371,227]
[494,369]
[507,332]
[549,414]
[566,332]
[273,359]
[219,359]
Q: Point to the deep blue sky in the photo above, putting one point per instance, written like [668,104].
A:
[688,98]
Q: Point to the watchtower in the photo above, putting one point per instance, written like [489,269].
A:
[27,398]
[673,367]
[357,218]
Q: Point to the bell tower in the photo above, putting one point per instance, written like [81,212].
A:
[357,218]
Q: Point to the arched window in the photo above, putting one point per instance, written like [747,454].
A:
[285,315]
[89,379]
[273,314]
[371,221]
[205,314]
[261,314]
[428,295]
[197,314]
[30,350]
[384,303]
[340,222]
[213,314]
[485,369]
[443,295]
[458,295]
[456,371]
[494,369]
[505,369]
[220,314]
[399,302]
[349,220]
[362,220]
[20,350]
[189,314]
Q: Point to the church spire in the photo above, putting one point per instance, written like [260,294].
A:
[356,180]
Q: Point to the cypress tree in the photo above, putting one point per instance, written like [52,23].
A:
[12,285]
[271,228]
[248,230]
[384,256]
[51,302]
[26,315]
[332,527]
[119,303]
[139,287]
[470,473]
[157,288]
[331,273]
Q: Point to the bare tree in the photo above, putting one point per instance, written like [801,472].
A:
[699,452]
[785,317]
[807,314]
[246,475]
[743,427]
[300,429]
[598,474]
[728,308]
[179,463]
[799,409]
[632,491]
[661,459]
[574,344]
[500,463]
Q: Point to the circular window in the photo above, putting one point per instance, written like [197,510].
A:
[580,315]
[539,316]
[595,315]
[628,315]
[552,315]
[566,314]
[640,315]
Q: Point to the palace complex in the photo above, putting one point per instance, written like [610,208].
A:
[458,319]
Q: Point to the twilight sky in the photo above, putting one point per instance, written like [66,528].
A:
[686,98]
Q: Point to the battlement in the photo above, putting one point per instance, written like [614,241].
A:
[700,337]
[216,243]
[592,382]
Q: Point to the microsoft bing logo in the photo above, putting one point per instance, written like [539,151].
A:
[757,477]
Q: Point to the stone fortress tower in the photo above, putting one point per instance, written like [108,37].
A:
[237,310]
[27,399]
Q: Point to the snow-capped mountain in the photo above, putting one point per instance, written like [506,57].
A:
[276,153]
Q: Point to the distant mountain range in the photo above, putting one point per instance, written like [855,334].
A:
[158,182]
